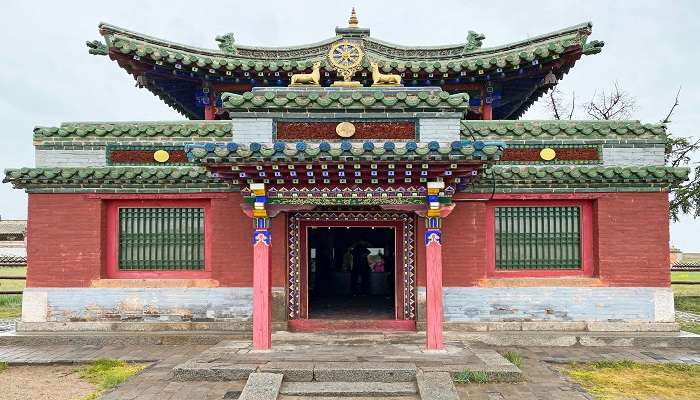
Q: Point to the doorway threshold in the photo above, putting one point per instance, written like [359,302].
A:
[350,325]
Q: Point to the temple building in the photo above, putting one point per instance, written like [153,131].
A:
[349,184]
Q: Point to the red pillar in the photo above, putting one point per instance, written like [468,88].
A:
[262,291]
[433,269]
[433,256]
[262,271]
[487,113]
[209,112]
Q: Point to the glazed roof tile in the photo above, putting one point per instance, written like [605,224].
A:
[549,129]
[326,151]
[390,100]
[182,129]
[390,56]
[562,175]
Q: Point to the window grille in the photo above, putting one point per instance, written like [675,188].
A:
[532,238]
[161,238]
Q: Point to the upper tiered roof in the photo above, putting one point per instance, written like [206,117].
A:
[511,77]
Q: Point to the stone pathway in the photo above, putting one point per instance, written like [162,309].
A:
[543,379]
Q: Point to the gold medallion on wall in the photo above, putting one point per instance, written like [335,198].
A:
[345,129]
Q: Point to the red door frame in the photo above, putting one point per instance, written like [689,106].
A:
[302,323]
[112,245]
[304,227]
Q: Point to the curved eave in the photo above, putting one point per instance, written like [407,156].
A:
[307,51]
[163,64]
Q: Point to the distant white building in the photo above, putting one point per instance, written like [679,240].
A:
[13,242]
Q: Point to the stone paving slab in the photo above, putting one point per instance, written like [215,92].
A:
[436,386]
[348,389]
[262,386]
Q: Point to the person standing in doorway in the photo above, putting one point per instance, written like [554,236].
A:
[360,269]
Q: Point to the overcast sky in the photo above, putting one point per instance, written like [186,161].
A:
[47,75]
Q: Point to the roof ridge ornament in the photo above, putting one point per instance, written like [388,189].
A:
[96,47]
[227,43]
[353,22]
[474,41]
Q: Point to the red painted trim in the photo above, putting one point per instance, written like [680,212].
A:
[586,229]
[398,227]
[327,325]
[158,196]
[112,239]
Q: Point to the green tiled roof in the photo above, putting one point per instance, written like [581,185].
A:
[525,129]
[111,176]
[184,129]
[369,150]
[345,100]
[472,129]
[389,56]
[576,175]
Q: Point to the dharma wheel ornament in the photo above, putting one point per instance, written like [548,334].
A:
[346,58]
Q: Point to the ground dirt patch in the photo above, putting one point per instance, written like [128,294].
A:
[46,382]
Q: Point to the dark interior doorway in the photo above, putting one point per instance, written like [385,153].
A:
[351,273]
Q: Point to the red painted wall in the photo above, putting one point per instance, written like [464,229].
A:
[464,253]
[64,243]
[633,237]
[67,240]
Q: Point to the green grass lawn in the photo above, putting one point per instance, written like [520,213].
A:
[107,374]
[12,284]
[685,276]
[11,304]
[632,380]
[687,298]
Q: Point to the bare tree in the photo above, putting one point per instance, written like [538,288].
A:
[685,197]
[556,105]
[613,105]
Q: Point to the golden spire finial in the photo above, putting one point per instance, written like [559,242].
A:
[353,22]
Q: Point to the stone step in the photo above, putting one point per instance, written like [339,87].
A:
[407,397]
[348,389]
[364,372]
[212,372]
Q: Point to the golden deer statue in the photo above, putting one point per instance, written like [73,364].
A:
[313,78]
[380,79]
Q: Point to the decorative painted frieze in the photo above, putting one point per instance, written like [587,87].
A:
[363,130]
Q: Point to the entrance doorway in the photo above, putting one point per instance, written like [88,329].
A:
[351,273]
